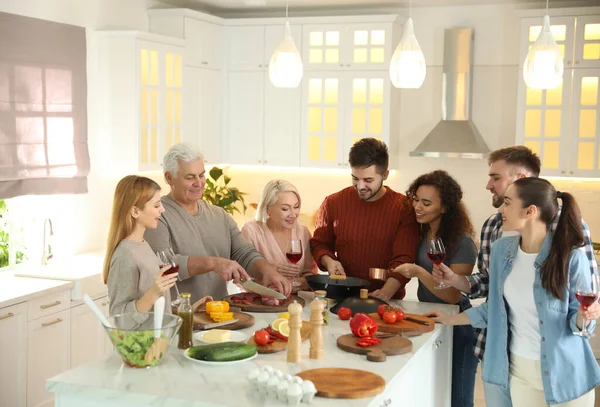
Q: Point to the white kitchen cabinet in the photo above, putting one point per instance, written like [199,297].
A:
[350,46]
[203,111]
[340,108]
[142,78]
[202,33]
[48,354]
[263,122]
[562,125]
[13,355]
[89,341]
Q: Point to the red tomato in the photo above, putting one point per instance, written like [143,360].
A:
[389,317]
[399,315]
[345,313]
[261,337]
[382,309]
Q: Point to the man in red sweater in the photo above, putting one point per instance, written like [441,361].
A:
[367,225]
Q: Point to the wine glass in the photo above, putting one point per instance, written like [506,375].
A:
[586,293]
[436,252]
[167,257]
[293,253]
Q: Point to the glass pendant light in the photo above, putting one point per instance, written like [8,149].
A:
[544,66]
[285,66]
[407,68]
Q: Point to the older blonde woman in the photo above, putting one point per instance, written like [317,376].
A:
[275,224]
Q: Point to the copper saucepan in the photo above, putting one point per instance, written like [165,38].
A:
[378,274]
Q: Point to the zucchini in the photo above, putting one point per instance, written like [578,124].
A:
[200,352]
[230,354]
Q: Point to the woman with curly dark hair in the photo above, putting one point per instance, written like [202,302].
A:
[437,201]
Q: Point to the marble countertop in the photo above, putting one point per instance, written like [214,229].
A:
[14,290]
[179,381]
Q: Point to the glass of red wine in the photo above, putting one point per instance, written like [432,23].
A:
[587,293]
[436,252]
[167,257]
[294,254]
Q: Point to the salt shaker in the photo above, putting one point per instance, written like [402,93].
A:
[294,340]
[316,333]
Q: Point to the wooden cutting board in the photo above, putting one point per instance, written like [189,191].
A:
[280,345]
[257,305]
[404,326]
[395,345]
[340,383]
[244,321]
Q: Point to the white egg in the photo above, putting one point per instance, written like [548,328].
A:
[268,369]
[297,380]
[308,391]
[289,378]
[278,373]
[282,388]
[294,394]
[261,382]
[272,386]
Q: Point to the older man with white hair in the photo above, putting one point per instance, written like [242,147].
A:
[209,247]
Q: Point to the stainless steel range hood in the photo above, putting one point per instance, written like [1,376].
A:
[455,136]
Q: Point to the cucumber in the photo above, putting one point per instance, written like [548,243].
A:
[200,352]
[230,354]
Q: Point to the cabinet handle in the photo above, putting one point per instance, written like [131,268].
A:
[54,304]
[260,66]
[9,315]
[576,62]
[260,161]
[348,64]
[204,63]
[105,303]
[571,172]
[265,161]
[45,324]
[563,172]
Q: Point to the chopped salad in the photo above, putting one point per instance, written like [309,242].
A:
[132,346]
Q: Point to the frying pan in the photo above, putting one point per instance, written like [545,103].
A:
[336,289]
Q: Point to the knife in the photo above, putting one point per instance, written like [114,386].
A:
[416,321]
[218,324]
[261,289]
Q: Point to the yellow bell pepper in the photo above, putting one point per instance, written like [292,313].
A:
[221,316]
[217,306]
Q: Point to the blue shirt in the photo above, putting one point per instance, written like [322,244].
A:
[569,368]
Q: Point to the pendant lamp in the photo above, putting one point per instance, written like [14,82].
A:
[544,66]
[407,68]
[285,66]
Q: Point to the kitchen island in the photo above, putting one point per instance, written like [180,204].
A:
[420,378]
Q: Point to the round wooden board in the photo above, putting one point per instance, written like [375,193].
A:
[341,383]
[404,326]
[280,345]
[244,321]
[258,306]
[395,345]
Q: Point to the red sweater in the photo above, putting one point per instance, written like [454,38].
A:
[382,234]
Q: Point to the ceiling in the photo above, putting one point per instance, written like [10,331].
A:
[227,6]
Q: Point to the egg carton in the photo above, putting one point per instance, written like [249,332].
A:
[283,387]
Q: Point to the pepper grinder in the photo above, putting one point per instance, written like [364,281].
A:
[316,333]
[294,339]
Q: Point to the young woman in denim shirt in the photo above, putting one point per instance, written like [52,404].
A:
[437,201]
[532,312]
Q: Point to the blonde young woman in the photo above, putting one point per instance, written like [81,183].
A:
[276,222]
[131,269]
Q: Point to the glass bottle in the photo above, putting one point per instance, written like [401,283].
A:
[320,296]
[185,312]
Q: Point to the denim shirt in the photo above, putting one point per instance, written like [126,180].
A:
[569,368]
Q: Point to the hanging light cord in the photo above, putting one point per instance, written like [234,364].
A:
[410,8]
[286,9]
[547,6]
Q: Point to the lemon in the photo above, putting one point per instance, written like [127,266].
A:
[284,328]
[277,323]
[284,315]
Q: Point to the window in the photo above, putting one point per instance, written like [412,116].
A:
[12,243]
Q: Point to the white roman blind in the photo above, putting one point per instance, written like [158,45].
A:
[43,108]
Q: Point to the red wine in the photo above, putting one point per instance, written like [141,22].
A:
[172,270]
[436,257]
[586,299]
[294,258]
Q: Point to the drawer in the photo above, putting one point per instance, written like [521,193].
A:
[49,304]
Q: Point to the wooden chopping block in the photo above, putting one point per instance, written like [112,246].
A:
[280,345]
[258,306]
[404,326]
[244,321]
[395,345]
[341,383]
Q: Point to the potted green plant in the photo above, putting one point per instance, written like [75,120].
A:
[219,193]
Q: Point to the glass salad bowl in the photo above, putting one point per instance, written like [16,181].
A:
[133,336]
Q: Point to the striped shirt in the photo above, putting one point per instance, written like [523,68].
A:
[480,282]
